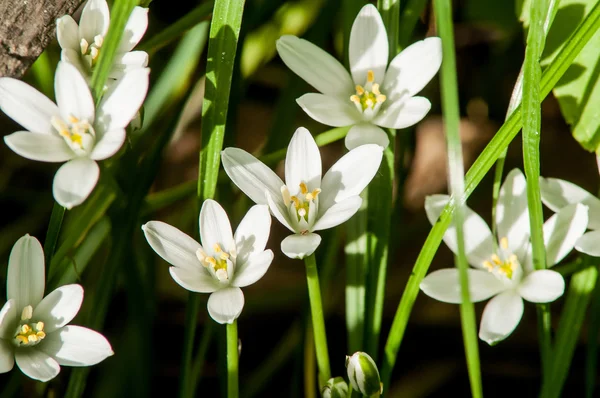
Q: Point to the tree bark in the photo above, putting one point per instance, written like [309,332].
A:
[26,28]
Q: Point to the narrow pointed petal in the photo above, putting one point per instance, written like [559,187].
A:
[316,66]
[27,106]
[9,318]
[254,268]
[40,147]
[349,175]
[37,364]
[109,144]
[512,214]
[589,244]
[94,21]
[73,57]
[562,231]
[302,162]
[67,32]
[252,234]
[282,217]
[338,213]
[134,29]
[543,286]
[411,70]
[331,111]
[7,356]
[368,46]
[174,246]
[557,194]
[299,246]
[366,133]
[75,181]
[501,317]
[479,243]
[125,97]
[126,62]
[73,95]
[76,346]
[444,285]
[215,228]
[226,305]
[195,280]
[59,307]
[26,273]
[403,114]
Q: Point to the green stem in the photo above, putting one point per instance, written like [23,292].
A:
[189,332]
[199,359]
[56,219]
[318,320]
[232,360]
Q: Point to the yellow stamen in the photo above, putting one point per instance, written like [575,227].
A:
[296,201]
[22,339]
[380,98]
[375,89]
[303,188]
[211,261]
[487,265]
[496,259]
[27,313]
[370,76]
[285,192]
[83,44]
[217,248]
[359,90]
[39,326]
[41,335]
[32,338]
[224,256]
[504,243]
[25,329]
[355,99]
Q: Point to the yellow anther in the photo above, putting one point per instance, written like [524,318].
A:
[94,53]
[285,193]
[39,326]
[504,243]
[217,248]
[496,259]
[25,329]
[211,261]
[487,265]
[41,335]
[27,313]
[224,256]
[296,201]
[32,338]
[370,76]
[355,99]
[303,188]
[98,40]
[83,44]
[375,89]
[22,339]
[359,90]
[201,256]
[381,98]
[73,119]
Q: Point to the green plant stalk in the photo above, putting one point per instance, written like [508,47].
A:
[411,12]
[318,320]
[450,107]
[54,226]
[232,360]
[591,360]
[199,359]
[480,167]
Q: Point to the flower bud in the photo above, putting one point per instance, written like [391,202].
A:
[335,388]
[363,374]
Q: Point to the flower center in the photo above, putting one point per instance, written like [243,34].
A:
[217,263]
[299,205]
[28,333]
[505,264]
[91,52]
[368,98]
[78,134]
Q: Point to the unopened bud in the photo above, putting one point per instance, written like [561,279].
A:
[363,374]
[335,388]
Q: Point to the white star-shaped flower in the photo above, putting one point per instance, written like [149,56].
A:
[374,95]
[505,271]
[34,329]
[223,263]
[73,131]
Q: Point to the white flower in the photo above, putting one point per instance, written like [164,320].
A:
[223,263]
[74,131]
[556,194]
[505,270]
[33,328]
[81,44]
[305,203]
[370,96]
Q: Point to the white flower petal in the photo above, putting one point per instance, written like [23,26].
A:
[501,317]
[562,231]
[349,175]
[368,46]
[282,217]
[174,246]
[27,106]
[59,307]
[299,246]
[38,146]
[76,346]
[366,133]
[589,244]
[7,356]
[557,194]
[403,114]
[316,66]
[73,57]
[26,273]
[127,62]
[37,364]
[9,317]
[542,286]
[73,95]
[302,162]
[512,214]
[94,21]
[338,213]
[67,32]
[411,70]
[134,29]
[479,243]
[252,234]
[252,269]
[74,181]
[124,98]
[331,111]
[215,228]
[195,280]
[108,145]
[444,285]
[226,305]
